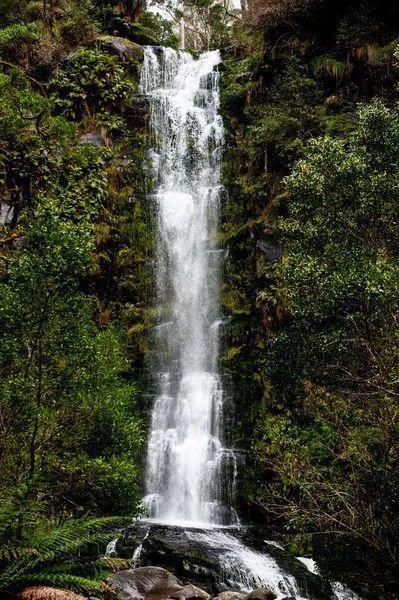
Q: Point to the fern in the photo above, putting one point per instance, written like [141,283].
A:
[61,556]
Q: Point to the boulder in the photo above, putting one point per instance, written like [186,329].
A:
[145,582]
[190,592]
[230,596]
[272,251]
[47,593]
[94,139]
[6,213]
[261,594]
[122,47]
[174,549]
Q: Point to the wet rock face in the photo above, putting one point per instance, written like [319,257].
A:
[172,548]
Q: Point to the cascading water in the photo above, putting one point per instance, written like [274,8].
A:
[186,455]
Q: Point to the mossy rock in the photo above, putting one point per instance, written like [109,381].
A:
[122,47]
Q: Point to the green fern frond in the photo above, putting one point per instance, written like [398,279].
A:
[58,549]
[50,556]
[11,551]
[114,564]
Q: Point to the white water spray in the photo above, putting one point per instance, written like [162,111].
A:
[187,461]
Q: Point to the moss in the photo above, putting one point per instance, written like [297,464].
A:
[330,66]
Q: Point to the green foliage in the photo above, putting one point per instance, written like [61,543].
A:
[16,34]
[57,368]
[329,66]
[330,438]
[63,555]
[91,81]
[161,29]
[74,271]
[313,358]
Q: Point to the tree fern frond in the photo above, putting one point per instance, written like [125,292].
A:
[73,530]
[99,568]
[65,547]
[114,564]
[10,551]
[47,556]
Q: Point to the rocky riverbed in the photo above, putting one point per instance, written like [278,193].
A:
[218,561]
[156,583]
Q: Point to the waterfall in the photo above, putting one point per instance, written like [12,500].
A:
[191,472]
[187,460]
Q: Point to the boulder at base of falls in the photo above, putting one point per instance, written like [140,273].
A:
[190,592]
[261,594]
[229,595]
[145,582]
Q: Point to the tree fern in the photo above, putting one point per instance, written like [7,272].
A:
[65,556]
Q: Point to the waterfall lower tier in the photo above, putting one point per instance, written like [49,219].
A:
[190,471]
[219,559]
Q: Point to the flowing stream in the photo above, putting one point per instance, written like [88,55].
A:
[191,472]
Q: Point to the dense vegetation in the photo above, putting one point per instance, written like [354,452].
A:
[312,276]
[310,220]
[75,251]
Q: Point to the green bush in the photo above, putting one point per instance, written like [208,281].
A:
[91,82]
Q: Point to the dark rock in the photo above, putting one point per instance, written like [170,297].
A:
[143,582]
[230,596]
[122,47]
[70,55]
[6,213]
[94,139]
[196,556]
[19,242]
[190,592]
[261,594]
[272,251]
[137,115]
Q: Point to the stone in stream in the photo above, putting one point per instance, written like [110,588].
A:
[261,594]
[230,595]
[190,592]
[145,582]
